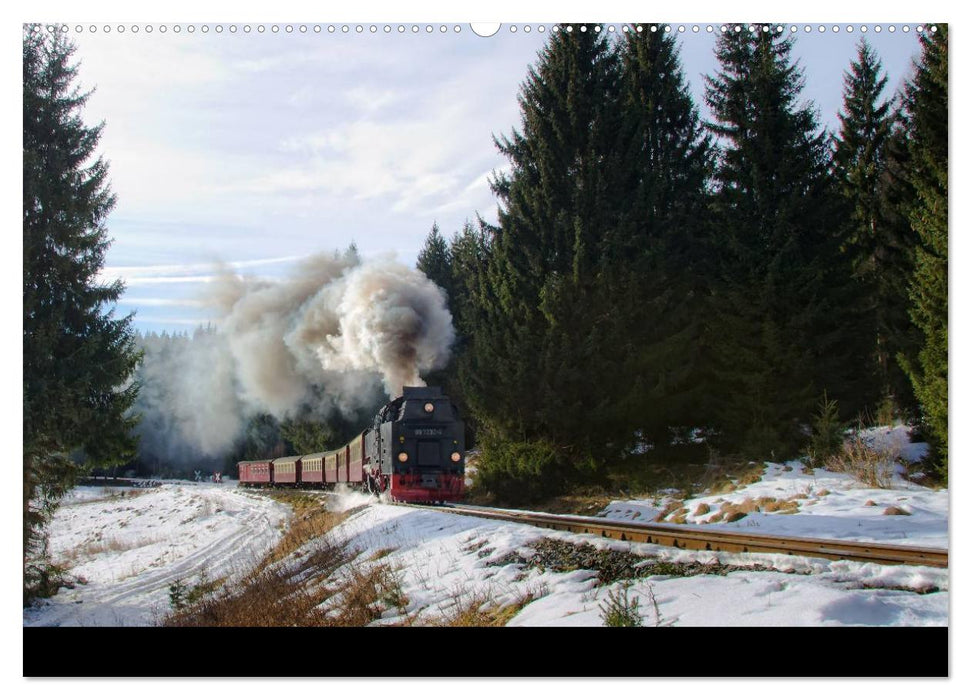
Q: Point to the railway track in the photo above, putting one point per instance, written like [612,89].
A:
[709,539]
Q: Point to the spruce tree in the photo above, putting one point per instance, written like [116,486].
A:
[926,105]
[780,327]
[537,363]
[879,252]
[78,358]
[468,254]
[659,262]
[434,259]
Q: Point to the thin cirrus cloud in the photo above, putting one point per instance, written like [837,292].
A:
[164,302]
[142,275]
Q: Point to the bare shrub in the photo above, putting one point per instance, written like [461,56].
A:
[870,466]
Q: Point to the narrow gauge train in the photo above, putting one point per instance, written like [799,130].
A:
[414,451]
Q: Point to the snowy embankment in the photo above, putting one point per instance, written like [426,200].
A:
[130,549]
[793,500]
[126,546]
[444,561]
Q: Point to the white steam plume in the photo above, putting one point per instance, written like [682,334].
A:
[326,333]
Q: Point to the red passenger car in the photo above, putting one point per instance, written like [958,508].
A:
[330,467]
[312,468]
[256,473]
[286,470]
[355,460]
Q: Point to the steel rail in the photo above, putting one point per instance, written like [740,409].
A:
[709,539]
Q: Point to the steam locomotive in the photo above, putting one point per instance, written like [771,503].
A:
[414,452]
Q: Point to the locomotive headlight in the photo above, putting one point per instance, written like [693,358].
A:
[402,456]
[429,407]
[456,456]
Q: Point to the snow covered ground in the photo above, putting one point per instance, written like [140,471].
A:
[445,561]
[129,545]
[129,548]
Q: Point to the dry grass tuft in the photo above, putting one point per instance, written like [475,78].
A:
[781,507]
[702,509]
[671,507]
[894,510]
[736,511]
[753,476]
[478,611]
[870,502]
[111,544]
[269,598]
[311,521]
[365,595]
[732,476]
[381,553]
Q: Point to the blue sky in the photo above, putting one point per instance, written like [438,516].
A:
[257,149]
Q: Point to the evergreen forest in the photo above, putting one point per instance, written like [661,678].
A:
[656,279]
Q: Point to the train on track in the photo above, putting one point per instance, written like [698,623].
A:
[414,452]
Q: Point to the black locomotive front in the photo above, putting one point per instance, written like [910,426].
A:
[417,447]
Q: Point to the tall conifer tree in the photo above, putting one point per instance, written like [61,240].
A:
[78,358]
[780,332]
[537,357]
[879,252]
[434,259]
[659,259]
[926,106]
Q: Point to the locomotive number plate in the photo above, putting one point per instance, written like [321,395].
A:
[428,432]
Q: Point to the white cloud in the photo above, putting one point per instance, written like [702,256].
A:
[155,270]
[411,161]
[369,99]
[173,321]
[152,301]
[147,281]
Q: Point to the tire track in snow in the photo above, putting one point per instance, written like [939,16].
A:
[210,529]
